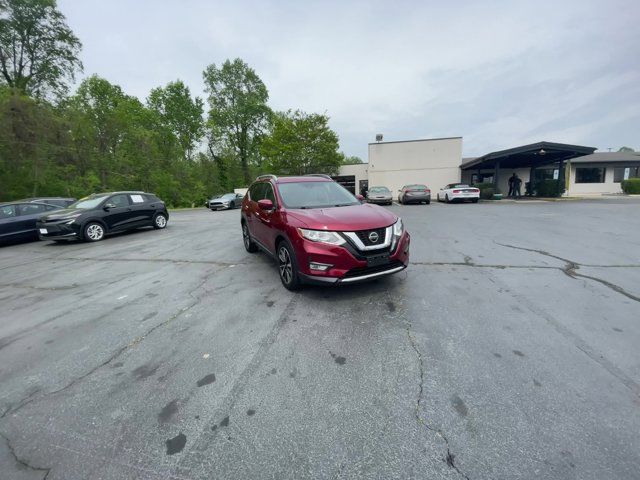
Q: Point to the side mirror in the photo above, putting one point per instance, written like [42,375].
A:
[107,206]
[360,197]
[265,204]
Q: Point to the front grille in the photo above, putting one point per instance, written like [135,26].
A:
[363,235]
[357,272]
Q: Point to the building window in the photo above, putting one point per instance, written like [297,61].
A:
[590,174]
[624,173]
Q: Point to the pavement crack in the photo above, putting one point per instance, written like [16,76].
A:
[450,457]
[22,462]
[571,270]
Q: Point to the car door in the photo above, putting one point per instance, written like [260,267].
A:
[28,214]
[141,209]
[117,212]
[265,231]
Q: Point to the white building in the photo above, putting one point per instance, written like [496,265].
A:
[438,161]
[432,162]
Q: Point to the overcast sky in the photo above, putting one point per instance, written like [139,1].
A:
[498,73]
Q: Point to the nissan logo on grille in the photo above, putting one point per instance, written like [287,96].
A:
[374,237]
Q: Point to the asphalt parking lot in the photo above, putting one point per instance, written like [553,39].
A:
[508,349]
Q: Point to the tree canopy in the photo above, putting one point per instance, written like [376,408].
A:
[38,51]
[99,138]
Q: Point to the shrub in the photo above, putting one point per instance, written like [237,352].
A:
[631,186]
[487,190]
[549,188]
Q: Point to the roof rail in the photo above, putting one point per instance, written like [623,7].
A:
[268,175]
[318,175]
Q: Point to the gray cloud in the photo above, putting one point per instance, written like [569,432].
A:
[499,73]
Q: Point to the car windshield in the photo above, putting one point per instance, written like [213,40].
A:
[315,195]
[379,190]
[89,202]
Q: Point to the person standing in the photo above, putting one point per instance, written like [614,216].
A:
[517,181]
[511,186]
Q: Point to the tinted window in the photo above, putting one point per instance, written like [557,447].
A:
[31,209]
[257,191]
[137,198]
[120,200]
[590,174]
[268,193]
[7,211]
[315,195]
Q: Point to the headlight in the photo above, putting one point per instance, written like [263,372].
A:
[321,236]
[397,228]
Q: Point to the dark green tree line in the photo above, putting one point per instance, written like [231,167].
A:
[101,139]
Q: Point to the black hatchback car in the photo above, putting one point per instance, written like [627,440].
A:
[93,217]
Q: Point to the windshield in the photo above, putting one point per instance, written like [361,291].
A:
[227,196]
[315,195]
[89,202]
[379,190]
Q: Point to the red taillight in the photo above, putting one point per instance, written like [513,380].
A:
[476,190]
[456,191]
[428,191]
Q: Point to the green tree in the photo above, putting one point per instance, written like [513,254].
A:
[38,51]
[180,113]
[352,160]
[626,149]
[301,143]
[239,115]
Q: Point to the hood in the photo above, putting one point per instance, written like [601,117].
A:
[65,212]
[351,218]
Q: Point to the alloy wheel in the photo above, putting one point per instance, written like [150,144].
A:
[245,237]
[95,232]
[286,268]
[161,221]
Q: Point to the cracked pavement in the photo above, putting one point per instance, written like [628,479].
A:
[508,349]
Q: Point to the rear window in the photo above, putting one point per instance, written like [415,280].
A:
[379,190]
[416,187]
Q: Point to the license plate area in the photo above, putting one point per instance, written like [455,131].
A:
[377,260]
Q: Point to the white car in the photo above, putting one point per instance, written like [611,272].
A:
[458,192]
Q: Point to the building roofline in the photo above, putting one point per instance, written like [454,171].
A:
[418,140]
[525,148]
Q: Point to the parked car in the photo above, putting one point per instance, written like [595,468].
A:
[415,194]
[18,220]
[225,202]
[62,202]
[93,217]
[380,195]
[320,233]
[458,192]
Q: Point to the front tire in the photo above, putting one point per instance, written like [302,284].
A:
[159,221]
[93,232]
[232,205]
[246,239]
[287,266]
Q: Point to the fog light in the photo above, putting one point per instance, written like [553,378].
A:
[320,267]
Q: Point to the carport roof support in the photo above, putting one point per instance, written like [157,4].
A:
[526,156]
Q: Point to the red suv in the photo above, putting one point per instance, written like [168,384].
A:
[320,233]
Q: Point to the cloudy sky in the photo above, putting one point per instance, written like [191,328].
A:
[498,73]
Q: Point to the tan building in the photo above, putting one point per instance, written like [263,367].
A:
[432,162]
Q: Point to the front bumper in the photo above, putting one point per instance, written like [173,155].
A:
[61,230]
[219,206]
[349,265]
